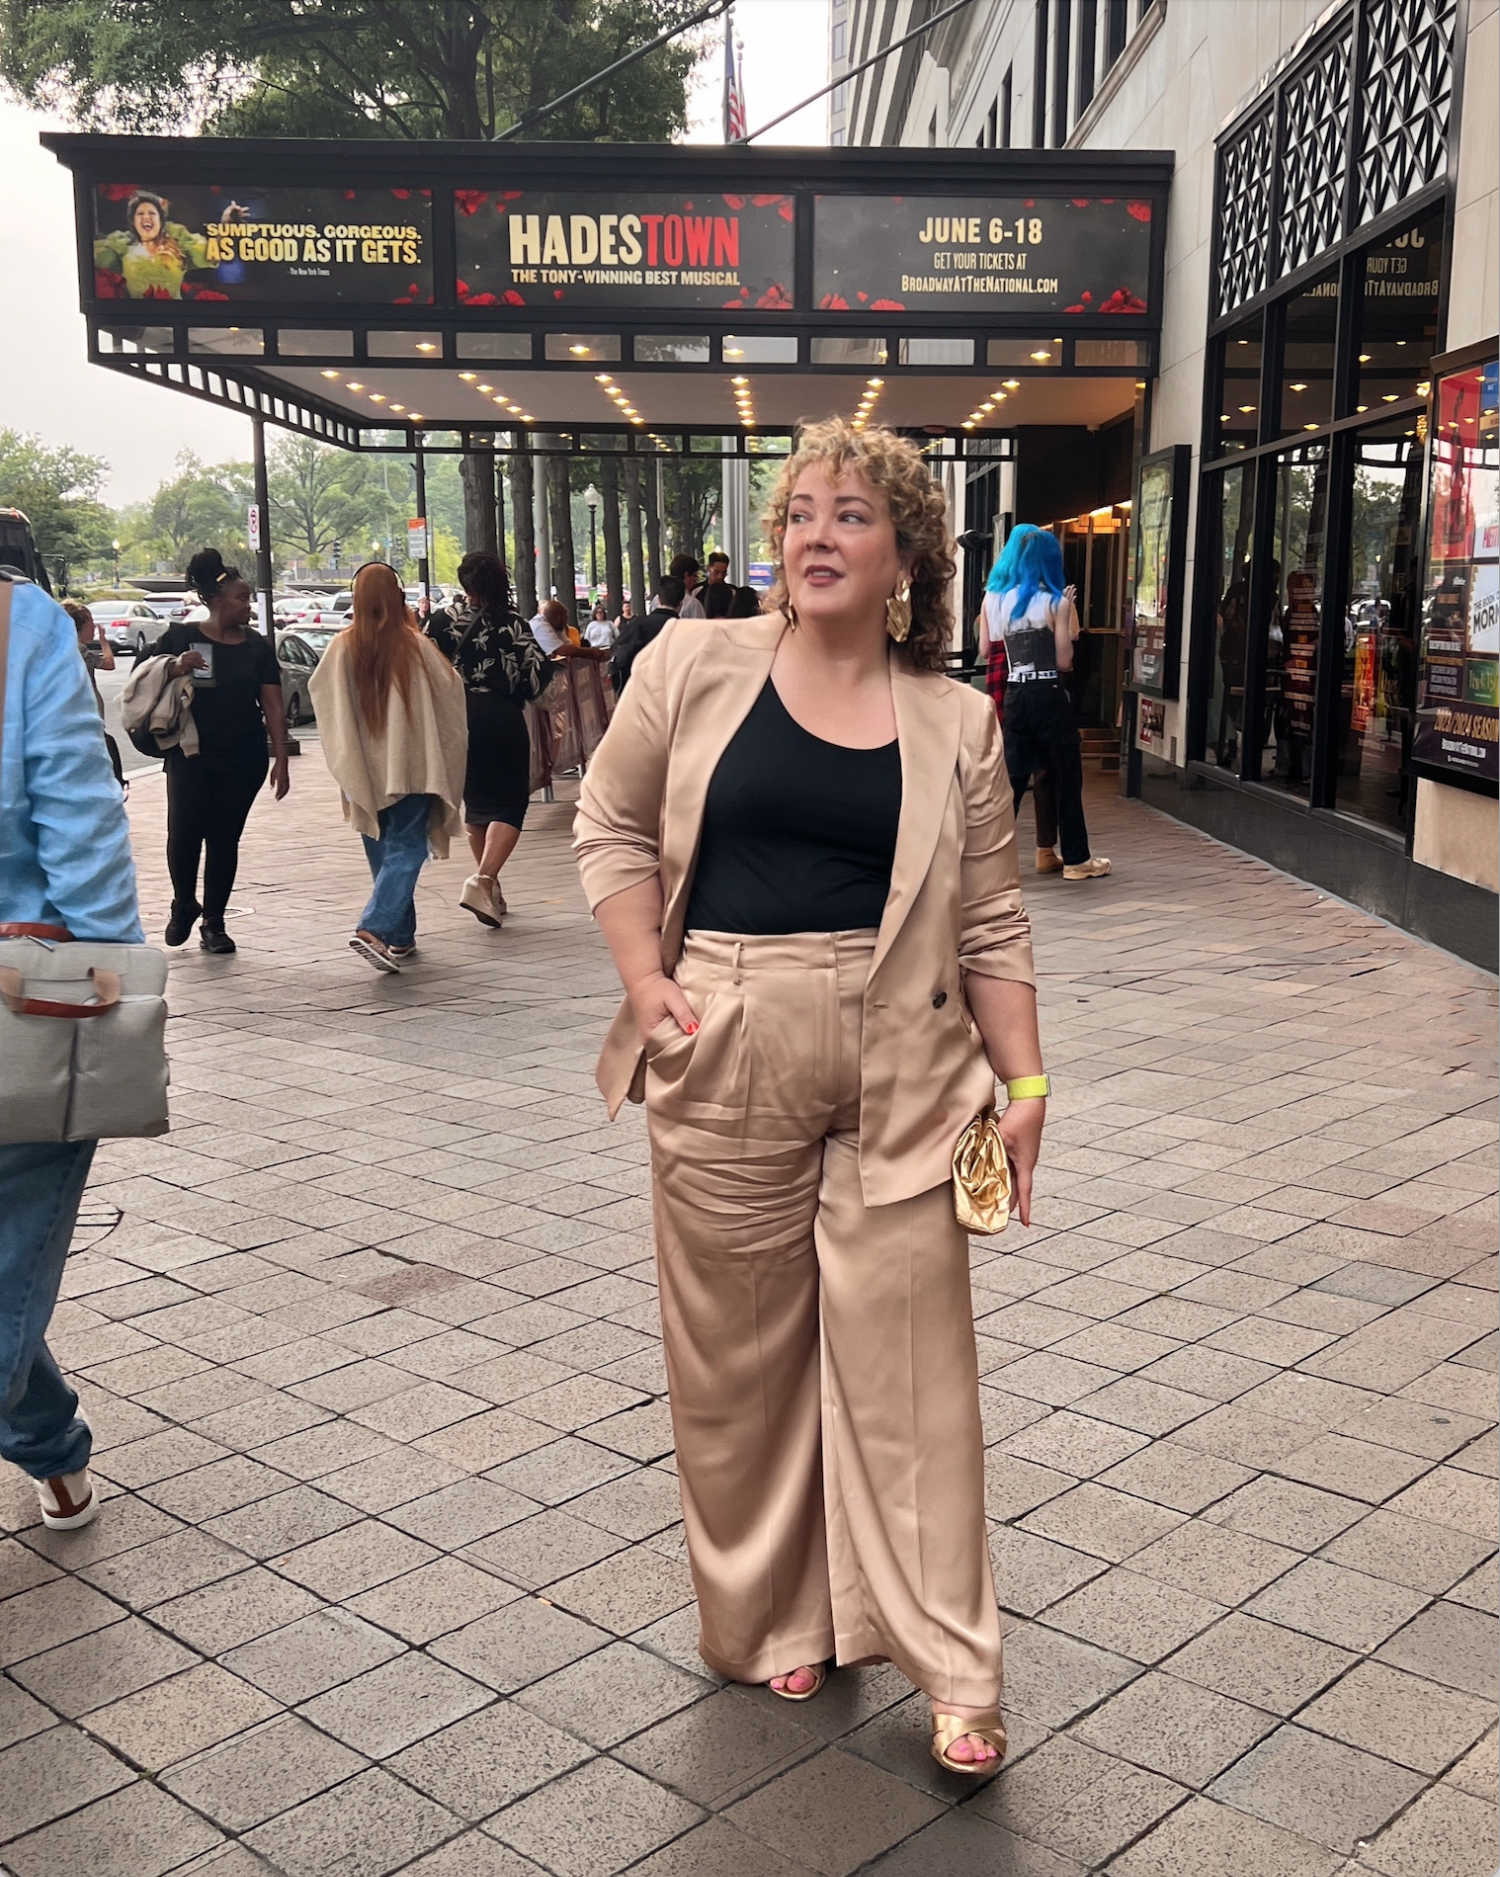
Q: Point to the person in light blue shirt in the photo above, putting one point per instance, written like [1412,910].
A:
[65,863]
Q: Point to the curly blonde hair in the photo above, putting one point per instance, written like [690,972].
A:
[918,510]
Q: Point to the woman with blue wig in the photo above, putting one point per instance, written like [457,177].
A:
[1028,607]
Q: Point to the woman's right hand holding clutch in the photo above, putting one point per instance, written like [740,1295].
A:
[653,999]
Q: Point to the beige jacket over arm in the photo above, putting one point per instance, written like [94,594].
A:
[421,751]
[954,908]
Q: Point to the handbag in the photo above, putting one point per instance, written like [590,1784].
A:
[981,1177]
[82,1024]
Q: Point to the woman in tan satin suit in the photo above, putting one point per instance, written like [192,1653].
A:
[797,838]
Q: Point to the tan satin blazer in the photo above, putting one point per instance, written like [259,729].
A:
[955,901]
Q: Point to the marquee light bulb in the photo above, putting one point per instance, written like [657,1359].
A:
[1012,384]
[330,374]
[355,385]
[425,345]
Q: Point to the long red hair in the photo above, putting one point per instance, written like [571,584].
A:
[382,642]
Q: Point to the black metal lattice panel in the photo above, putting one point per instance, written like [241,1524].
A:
[1407,87]
[1245,212]
[1314,153]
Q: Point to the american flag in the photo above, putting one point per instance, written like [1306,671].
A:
[734,96]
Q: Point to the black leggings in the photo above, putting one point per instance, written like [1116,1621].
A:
[1040,734]
[208,802]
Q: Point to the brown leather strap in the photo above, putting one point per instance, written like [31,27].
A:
[18,928]
[13,994]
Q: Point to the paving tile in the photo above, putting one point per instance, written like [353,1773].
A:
[1447,1496]
[314,1653]
[1356,1467]
[963,1845]
[1203,1839]
[1133,1616]
[367,1827]
[475,1854]
[141,1830]
[1014,1487]
[219,1487]
[1413,1723]
[167,1567]
[461,1513]
[1450,1645]
[1480,1590]
[1052,1678]
[833,1812]
[1407,1551]
[1174,1728]
[1116,1809]
[1073,1443]
[262,1772]
[1147,1407]
[491,1758]
[20,1716]
[159,1725]
[561,1470]
[1032,1572]
[1286,1512]
[40,1619]
[1320,1788]
[594,1820]
[1478,1772]
[51,1773]
[234,1610]
[433,1599]
[717,1749]
[716,1849]
[354,1559]
[1094,1518]
[1445,1834]
[1210,1561]
[518,1644]
[1340,1606]
[1260,1663]
[627,1591]
[101,1668]
[1172,1475]
[550,1545]
[634,1507]
[274,1525]
[391,1706]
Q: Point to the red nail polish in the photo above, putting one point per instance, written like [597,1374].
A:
[692,1029]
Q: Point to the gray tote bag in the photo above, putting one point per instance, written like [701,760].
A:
[82,1024]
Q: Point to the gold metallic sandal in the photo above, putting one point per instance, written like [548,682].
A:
[948,1729]
[817,1669]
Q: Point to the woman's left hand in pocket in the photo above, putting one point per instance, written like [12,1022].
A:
[1021,1129]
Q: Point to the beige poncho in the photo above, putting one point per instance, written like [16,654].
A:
[421,751]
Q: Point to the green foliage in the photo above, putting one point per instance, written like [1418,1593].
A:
[199,507]
[58,490]
[347,68]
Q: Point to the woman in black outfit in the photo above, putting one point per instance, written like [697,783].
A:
[236,703]
[503,669]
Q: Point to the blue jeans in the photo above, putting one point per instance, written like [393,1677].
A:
[40,1187]
[396,859]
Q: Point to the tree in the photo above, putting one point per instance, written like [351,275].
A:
[58,491]
[555,468]
[202,507]
[319,495]
[345,68]
[635,553]
[614,572]
[523,569]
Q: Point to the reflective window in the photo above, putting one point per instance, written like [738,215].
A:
[583,346]
[1034,354]
[1239,385]
[851,351]
[1380,624]
[1294,616]
[1121,352]
[1398,315]
[1226,707]
[761,348]
[672,348]
[935,351]
[314,342]
[228,341]
[511,345]
[1307,356]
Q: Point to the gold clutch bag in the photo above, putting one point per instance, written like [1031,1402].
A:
[981,1177]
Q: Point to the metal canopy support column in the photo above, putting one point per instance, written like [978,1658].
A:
[265,577]
[424,564]
[735,514]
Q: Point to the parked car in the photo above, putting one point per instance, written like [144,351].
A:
[297,653]
[170,606]
[129,625]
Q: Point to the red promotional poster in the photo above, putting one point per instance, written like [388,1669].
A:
[527,248]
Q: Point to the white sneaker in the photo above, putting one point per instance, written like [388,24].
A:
[1094,868]
[480,898]
[67,1501]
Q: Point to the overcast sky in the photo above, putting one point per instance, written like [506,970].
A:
[46,383]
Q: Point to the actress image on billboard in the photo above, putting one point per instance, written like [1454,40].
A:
[152,254]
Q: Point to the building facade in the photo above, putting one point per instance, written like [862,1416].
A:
[1308,653]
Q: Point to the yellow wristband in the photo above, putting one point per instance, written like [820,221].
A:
[1029,1088]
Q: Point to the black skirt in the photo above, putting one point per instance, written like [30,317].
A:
[497,778]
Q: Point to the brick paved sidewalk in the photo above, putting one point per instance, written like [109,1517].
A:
[391,1574]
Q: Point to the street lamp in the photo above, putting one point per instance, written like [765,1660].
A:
[591,497]
[116,546]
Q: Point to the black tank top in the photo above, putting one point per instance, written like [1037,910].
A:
[798,834]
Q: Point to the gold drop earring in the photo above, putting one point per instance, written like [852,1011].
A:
[898,611]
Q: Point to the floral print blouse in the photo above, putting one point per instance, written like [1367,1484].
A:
[499,654]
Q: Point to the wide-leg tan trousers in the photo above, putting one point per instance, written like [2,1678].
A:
[820,1352]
